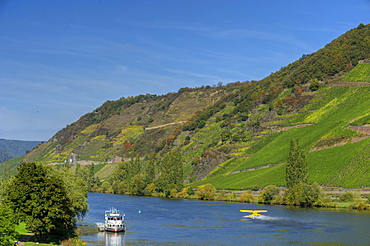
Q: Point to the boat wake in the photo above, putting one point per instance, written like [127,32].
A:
[283,223]
[264,217]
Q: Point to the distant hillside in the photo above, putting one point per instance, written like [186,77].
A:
[15,148]
[237,136]
[4,155]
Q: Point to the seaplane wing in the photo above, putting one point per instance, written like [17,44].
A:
[253,212]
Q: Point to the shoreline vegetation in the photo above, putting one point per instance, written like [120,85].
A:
[334,197]
[331,197]
[298,191]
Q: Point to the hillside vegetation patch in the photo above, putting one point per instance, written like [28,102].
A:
[360,73]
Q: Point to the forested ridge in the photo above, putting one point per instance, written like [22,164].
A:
[341,55]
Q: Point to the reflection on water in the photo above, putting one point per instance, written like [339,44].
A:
[91,236]
[111,239]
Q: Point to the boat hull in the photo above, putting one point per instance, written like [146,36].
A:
[115,229]
[110,229]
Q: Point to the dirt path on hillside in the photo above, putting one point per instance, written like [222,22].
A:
[257,168]
[295,126]
[365,129]
[349,83]
[168,124]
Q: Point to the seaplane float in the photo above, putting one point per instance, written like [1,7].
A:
[253,213]
[113,221]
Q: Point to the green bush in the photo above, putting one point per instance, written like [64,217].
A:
[247,197]
[311,195]
[268,194]
[349,196]
[206,192]
[73,242]
[221,196]
[190,191]
[315,85]
[293,195]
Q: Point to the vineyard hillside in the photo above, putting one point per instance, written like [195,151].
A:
[236,136]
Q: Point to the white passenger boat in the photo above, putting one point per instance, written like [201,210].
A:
[113,221]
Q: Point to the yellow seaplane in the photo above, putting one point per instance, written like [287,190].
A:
[254,213]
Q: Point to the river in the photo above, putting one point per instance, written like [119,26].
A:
[157,221]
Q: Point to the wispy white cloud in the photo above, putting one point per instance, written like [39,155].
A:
[193,74]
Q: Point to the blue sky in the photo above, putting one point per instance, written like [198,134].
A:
[62,59]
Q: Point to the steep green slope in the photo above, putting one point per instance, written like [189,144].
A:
[360,73]
[333,153]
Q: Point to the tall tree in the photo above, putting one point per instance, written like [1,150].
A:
[150,170]
[7,225]
[77,189]
[40,197]
[171,176]
[137,185]
[135,166]
[296,168]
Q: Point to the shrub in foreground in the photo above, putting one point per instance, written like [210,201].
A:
[268,194]
[206,192]
[247,197]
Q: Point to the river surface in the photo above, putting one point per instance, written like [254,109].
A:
[157,221]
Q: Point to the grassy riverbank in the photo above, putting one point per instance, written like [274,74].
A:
[27,238]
